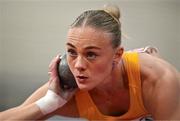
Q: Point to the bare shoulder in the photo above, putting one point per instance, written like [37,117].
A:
[160,86]
[154,69]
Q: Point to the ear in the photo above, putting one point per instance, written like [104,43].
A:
[118,54]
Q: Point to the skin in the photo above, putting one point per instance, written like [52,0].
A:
[160,88]
[90,53]
[160,81]
[87,56]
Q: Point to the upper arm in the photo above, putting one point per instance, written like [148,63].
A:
[161,89]
[166,97]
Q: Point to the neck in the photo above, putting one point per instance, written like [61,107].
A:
[107,96]
[116,82]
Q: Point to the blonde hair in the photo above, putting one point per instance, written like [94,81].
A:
[106,19]
[113,11]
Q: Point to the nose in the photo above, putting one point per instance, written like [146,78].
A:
[80,64]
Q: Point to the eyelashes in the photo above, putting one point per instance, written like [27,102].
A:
[71,52]
[90,55]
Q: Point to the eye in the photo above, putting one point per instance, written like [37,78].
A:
[71,52]
[91,55]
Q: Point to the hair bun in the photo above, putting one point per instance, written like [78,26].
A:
[113,10]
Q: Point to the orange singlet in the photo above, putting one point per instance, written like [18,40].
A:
[87,109]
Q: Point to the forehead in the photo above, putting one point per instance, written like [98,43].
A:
[88,36]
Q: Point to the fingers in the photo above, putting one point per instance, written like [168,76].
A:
[151,50]
[53,66]
[54,85]
[54,62]
[54,81]
[53,73]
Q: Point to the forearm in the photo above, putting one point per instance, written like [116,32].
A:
[29,112]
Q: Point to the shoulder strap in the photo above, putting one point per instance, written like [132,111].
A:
[132,66]
[88,110]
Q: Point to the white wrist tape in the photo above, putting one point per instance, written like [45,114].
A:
[50,102]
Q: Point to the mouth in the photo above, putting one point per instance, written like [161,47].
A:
[81,79]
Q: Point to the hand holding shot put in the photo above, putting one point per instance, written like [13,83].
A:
[55,97]
[62,81]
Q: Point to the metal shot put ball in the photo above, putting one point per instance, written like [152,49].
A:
[67,80]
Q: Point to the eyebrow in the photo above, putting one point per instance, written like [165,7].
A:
[89,47]
[70,45]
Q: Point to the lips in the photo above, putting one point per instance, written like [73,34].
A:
[81,78]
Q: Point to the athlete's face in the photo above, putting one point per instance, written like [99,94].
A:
[90,55]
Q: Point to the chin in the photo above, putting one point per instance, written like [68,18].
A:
[85,87]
